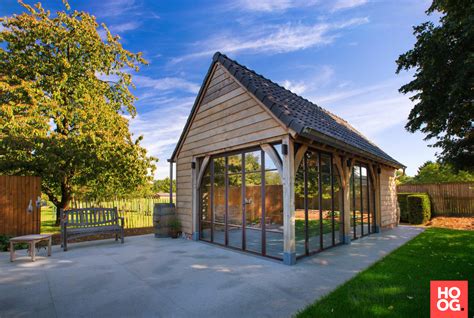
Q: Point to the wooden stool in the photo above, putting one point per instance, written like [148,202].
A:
[31,240]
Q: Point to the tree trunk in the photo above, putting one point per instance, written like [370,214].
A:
[66,195]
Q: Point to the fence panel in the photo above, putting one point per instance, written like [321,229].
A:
[447,199]
[16,194]
[137,212]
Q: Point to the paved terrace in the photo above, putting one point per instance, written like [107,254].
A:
[177,278]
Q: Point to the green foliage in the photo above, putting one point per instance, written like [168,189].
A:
[403,204]
[174,223]
[419,208]
[163,185]
[5,244]
[435,172]
[443,84]
[64,106]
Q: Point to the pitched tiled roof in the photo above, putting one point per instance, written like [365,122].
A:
[298,113]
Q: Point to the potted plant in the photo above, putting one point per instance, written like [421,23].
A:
[174,227]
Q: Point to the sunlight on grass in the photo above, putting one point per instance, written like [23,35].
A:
[399,284]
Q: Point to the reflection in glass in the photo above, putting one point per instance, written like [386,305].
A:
[314,220]
[273,211]
[219,208]
[300,214]
[253,211]
[205,211]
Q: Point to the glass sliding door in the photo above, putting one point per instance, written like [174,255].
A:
[234,201]
[241,203]
[218,220]
[253,201]
[273,207]
[362,202]
[205,206]
[318,202]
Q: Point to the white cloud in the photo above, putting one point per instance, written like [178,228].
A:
[124,27]
[322,76]
[347,4]
[161,128]
[114,8]
[296,87]
[274,39]
[165,84]
[272,5]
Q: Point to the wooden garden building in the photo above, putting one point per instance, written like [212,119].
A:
[263,170]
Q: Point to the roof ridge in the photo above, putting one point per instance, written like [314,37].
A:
[218,54]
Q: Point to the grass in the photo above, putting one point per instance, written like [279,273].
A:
[314,228]
[48,220]
[399,284]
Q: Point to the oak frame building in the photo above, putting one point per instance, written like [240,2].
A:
[261,169]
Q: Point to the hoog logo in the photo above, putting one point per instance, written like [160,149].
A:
[448,298]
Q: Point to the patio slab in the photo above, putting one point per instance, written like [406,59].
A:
[149,277]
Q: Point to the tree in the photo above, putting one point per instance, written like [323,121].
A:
[163,185]
[64,97]
[436,172]
[443,57]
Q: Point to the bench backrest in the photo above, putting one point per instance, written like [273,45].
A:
[88,217]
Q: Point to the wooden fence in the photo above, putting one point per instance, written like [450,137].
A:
[137,212]
[19,213]
[447,199]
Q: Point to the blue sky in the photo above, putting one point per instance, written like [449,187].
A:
[339,54]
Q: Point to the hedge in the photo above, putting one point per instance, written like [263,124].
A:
[403,204]
[419,208]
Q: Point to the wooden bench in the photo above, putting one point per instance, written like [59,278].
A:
[89,221]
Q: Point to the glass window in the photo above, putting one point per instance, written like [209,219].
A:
[205,207]
[219,208]
[314,225]
[253,211]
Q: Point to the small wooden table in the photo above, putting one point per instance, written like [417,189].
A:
[31,240]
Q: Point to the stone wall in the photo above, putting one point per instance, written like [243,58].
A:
[388,196]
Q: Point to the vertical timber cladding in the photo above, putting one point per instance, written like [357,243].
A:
[227,118]
[15,195]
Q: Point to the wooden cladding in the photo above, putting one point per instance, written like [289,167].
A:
[16,193]
[447,199]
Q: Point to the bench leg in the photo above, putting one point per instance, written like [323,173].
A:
[33,251]
[116,236]
[121,235]
[65,241]
[12,252]
[49,246]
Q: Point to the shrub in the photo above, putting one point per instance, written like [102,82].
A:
[403,204]
[5,244]
[419,208]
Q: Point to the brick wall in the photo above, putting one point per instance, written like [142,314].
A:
[388,196]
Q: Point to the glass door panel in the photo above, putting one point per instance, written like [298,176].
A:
[273,213]
[314,218]
[234,212]
[219,208]
[205,207]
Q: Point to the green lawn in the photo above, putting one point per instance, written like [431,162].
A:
[314,228]
[48,219]
[399,284]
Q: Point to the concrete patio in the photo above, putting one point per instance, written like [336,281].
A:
[148,277]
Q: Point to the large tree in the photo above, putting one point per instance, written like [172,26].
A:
[64,104]
[443,84]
